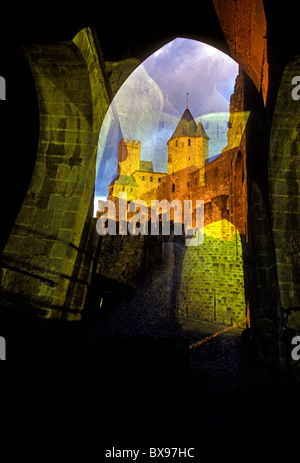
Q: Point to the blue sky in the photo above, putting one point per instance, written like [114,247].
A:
[185,65]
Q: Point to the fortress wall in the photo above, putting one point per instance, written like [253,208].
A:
[212,278]
[125,258]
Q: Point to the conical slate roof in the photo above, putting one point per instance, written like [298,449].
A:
[200,132]
[187,127]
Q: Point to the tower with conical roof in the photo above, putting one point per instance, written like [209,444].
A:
[188,146]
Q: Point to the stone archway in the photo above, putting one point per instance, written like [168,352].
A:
[47,263]
[47,260]
[223,250]
[48,257]
[244,25]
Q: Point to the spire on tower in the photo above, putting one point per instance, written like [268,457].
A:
[200,132]
[187,126]
[187,101]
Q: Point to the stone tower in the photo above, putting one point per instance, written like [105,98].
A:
[188,146]
[129,156]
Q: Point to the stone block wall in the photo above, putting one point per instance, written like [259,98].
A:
[126,258]
[284,194]
[245,28]
[49,236]
[212,277]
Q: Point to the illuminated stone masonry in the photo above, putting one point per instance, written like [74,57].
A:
[47,261]
[219,183]
[211,283]
[212,277]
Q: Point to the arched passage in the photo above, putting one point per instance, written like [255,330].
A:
[64,271]
[235,18]
[206,165]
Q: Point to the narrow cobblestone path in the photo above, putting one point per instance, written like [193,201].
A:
[151,312]
[224,401]
[226,396]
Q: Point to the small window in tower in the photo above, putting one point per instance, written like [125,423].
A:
[189,142]
[151,179]
[176,143]
[159,179]
[143,177]
[173,187]
[182,144]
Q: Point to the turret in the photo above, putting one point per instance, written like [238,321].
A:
[188,145]
[129,156]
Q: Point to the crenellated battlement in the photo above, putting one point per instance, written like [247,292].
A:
[131,143]
[129,156]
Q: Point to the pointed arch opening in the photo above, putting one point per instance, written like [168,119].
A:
[175,131]
[149,103]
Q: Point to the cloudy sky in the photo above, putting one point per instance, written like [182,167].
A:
[191,66]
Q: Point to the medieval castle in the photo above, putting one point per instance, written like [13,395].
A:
[219,183]
[212,276]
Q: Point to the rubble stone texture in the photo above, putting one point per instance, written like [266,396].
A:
[48,262]
[284,187]
[212,277]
